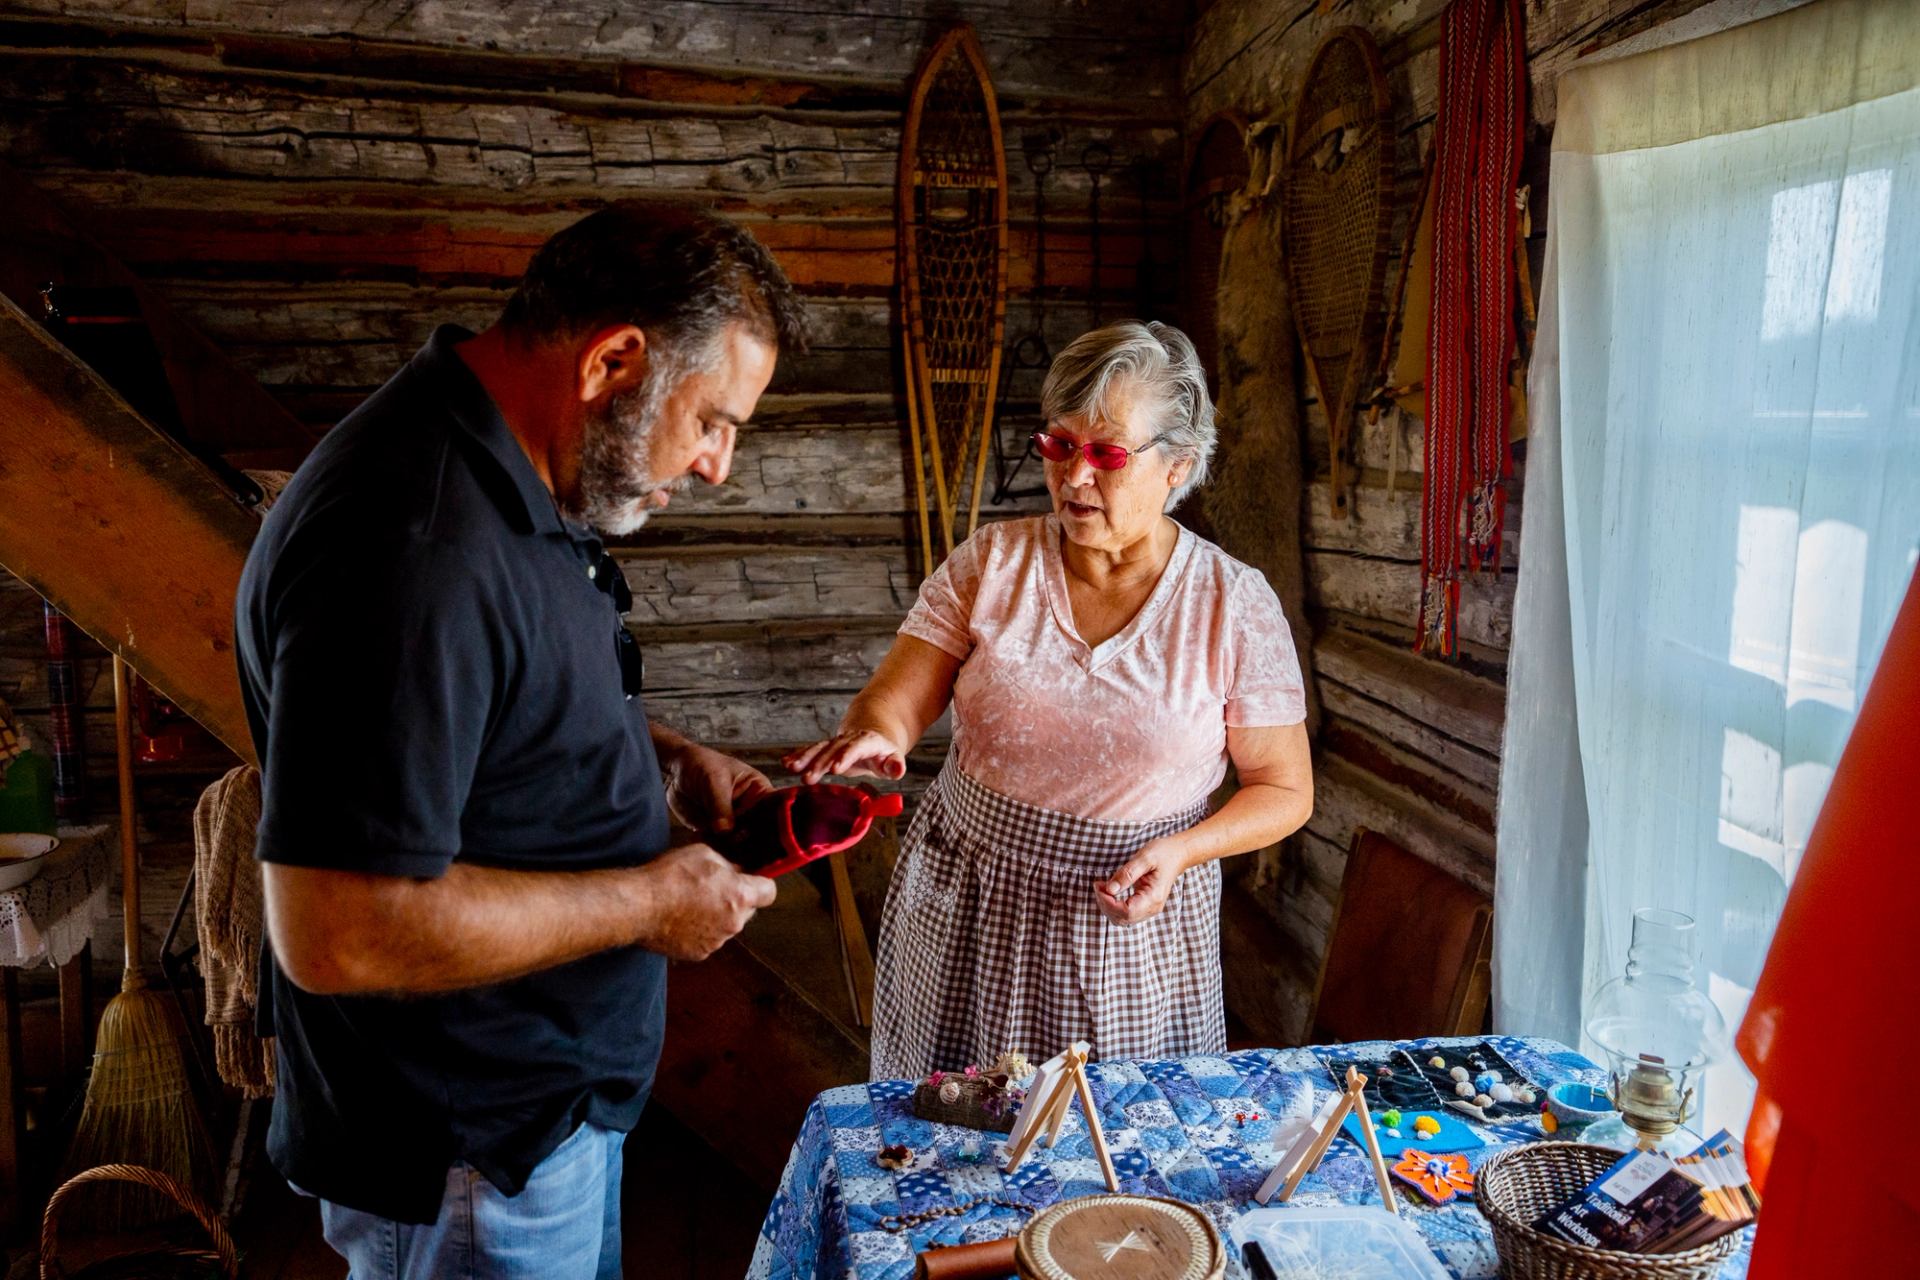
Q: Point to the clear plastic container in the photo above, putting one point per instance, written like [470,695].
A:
[1354,1242]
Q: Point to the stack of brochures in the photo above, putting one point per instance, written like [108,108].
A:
[1651,1203]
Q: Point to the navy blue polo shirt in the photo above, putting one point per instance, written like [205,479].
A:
[430,673]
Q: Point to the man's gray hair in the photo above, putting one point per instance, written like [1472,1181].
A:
[1154,362]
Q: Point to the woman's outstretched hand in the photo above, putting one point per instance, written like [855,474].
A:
[1139,889]
[852,753]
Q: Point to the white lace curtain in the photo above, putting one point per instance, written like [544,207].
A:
[1723,492]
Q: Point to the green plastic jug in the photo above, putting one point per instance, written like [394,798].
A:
[26,794]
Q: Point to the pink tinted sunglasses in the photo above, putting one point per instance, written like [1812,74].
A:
[1100,455]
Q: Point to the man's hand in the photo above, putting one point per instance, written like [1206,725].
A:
[706,788]
[700,900]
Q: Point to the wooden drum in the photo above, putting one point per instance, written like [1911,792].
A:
[1124,1237]
[1093,1238]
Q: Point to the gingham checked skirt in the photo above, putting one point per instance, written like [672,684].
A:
[992,940]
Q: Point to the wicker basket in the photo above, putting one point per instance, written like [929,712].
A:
[1516,1186]
[160,1262]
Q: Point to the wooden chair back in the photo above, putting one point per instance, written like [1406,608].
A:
[1411,952]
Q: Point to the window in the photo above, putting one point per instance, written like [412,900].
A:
[1728,441]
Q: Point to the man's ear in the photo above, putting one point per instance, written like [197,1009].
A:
[612,359]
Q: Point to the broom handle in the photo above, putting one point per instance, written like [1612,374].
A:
[129,849]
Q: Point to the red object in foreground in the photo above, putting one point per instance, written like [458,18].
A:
[1838,993]
[796,825]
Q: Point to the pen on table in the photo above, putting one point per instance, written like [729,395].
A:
[1256,1259]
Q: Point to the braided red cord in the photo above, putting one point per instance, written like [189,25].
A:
[1479,133]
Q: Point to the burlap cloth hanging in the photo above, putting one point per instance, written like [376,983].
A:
[227,905]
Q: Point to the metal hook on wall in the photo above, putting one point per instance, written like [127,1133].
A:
[1031,350]
[1096,158]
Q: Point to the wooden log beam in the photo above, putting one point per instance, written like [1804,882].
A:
[295,242]
[1124,50]
[759,718]
[354,335]
[322,62]
[1390,590]
[1394,445]
[1476,771]
[1348,797]
[1410,771]
[819,653]
[59,111]
[1443,697]
[725,584]
[124,531]
[1384,523]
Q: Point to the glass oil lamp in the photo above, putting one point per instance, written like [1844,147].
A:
[1659,1032]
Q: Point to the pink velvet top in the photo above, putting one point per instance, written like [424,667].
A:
[1132,730]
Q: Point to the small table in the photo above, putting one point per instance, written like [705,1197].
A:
[50,919]
[1173,1130]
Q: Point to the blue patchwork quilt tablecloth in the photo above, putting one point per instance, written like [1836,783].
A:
[1172,1129]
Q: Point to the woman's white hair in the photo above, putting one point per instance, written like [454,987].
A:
[1152,364]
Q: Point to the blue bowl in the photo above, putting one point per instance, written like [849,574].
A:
[1574,1106]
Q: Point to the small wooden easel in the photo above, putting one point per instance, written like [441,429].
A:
[1304,1156]
[1054,1085]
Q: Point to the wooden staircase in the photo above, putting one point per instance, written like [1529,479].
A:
[139,544]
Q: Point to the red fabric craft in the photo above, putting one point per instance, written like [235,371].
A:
[1837,995]
[795,825]
[1478,135]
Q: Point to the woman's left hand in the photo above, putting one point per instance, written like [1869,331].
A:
[1149,874]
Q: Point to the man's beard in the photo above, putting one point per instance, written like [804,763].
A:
[616,487]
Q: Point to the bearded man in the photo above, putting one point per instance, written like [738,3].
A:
[469,894]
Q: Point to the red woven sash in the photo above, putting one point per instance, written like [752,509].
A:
[1478,135]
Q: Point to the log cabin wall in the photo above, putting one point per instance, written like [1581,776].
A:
[316,185]
[1408,745]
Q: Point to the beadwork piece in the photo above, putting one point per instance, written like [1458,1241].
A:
[1468,1078]
[1439,1178]
[1407,1088]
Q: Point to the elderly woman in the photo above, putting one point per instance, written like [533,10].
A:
[1061,879]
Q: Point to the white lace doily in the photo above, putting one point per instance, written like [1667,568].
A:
[50,917]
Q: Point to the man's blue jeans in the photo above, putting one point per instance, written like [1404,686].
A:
[564,1224]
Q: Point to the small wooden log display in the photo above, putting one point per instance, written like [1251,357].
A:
[978,1102]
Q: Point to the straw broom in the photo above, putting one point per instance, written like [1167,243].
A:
[140,1107]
